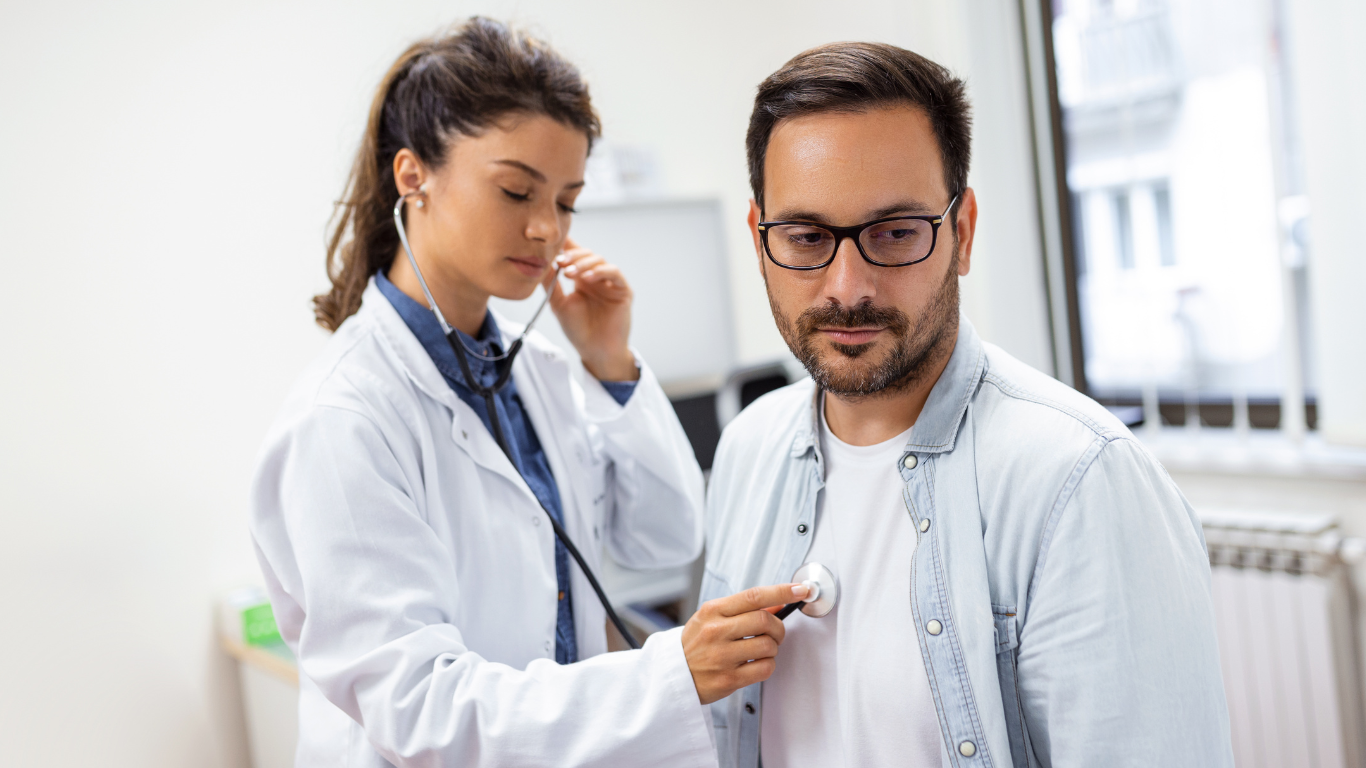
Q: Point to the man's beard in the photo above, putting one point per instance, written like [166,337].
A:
[915,352]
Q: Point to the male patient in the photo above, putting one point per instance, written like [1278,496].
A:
[1020,582]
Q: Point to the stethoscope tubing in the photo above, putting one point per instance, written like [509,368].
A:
[489,394]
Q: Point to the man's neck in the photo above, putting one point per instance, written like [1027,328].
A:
[873,419]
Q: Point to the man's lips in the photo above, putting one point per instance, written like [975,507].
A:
[531,267]
[851,336]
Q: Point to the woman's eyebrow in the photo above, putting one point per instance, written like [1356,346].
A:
[521,166]
[533,173]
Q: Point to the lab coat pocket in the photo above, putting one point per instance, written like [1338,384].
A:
[1007,651]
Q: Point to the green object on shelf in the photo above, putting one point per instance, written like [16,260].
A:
[258,625]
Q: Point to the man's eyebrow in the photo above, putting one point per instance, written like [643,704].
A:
[903,208]
[533,173]
[900,208]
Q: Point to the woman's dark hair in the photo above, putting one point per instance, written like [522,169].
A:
[854,77]
[455,84]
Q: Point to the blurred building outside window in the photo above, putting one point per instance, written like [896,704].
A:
[1187,204]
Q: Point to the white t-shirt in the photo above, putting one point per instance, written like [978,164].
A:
[849,689]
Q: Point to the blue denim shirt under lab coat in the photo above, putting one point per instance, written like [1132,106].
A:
[525,446]
[1066,572]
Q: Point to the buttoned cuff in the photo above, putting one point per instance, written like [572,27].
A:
[604,400]
[697,716]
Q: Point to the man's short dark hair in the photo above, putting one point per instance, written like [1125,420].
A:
[855,77]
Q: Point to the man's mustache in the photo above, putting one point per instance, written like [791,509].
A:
[834,315]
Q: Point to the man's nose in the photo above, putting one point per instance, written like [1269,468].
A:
[849,280]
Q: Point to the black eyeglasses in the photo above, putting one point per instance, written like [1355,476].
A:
[897,241]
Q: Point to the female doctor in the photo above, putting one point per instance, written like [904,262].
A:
[407,501]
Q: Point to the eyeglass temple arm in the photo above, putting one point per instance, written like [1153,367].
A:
[945,214]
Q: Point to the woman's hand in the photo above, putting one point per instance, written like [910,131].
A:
[731,642]
[597,315]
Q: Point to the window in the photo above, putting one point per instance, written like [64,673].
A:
[1181,175]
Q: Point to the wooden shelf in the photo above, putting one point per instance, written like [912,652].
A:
[276,659]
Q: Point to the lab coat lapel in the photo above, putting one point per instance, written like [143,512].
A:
[553,403]
[545,371]
[467,430]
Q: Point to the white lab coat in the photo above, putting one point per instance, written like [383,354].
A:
[412,570]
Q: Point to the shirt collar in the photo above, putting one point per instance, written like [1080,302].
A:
[424,326]
[936,429]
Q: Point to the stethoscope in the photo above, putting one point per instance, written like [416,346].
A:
[822,595]
[503,365]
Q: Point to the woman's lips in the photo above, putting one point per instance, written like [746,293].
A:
[852,336]
[529,267]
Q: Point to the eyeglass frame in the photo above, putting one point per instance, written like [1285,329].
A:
[854,232]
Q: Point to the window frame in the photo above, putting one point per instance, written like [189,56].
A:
[1059,234]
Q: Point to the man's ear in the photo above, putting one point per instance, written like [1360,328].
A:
[409,172]
[967,228]
[754,217]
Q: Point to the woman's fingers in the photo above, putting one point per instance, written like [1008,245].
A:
[577,265]
[758,623]
[755,671]
[604,277]
[751,648]
[586,268]
[569,257]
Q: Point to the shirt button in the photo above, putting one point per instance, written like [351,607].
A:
[547,646]
[910,461]
[464,434]
[749,708]
[536,521]
[801,528]
[934,627]
[924,525]
[967,749]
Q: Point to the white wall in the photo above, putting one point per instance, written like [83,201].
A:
[1329,69]
[166,171]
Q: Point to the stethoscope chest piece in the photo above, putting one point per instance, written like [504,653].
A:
[827,590]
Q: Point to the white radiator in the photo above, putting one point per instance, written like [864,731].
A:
[1287,622]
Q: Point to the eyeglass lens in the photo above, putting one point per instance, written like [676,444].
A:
[899,241]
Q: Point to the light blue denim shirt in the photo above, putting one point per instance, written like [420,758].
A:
[1060,584]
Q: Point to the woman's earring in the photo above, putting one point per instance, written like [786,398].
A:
[419,203]
[422,190]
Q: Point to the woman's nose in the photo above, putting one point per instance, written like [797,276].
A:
[545,225]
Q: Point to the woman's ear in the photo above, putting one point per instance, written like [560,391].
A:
[410,175]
